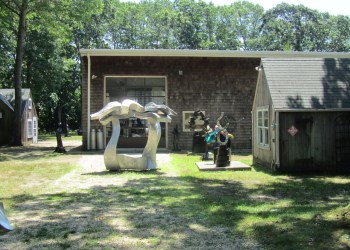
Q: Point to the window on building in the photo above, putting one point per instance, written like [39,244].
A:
[35,127]
[263,127]
[134,132]
[30,104]
[30,128]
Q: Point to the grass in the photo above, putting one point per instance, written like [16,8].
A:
[29,174]
[52,137]
[281,211]
[176,206]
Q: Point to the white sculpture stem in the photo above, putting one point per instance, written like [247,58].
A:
[110,155]
[154,134]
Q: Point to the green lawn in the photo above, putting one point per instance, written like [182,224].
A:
[280,211]
[52,137]
[176,206]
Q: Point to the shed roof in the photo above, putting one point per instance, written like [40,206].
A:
[308,83]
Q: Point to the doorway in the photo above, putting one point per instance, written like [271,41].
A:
[342,140]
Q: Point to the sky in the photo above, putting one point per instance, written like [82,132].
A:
[334,7]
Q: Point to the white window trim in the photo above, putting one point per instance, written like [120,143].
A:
[265,144]
[186,116]
[29,128]
[30,104]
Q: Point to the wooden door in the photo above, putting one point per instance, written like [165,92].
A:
[295,141]
[342,140]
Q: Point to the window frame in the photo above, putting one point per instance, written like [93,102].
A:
[29,128]
[263,128]
[30,103]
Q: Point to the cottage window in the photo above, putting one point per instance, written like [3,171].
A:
[263,127]
[30,104]
[30,128]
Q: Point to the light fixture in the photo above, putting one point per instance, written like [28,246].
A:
[93,77]
[180,73]
[258,68]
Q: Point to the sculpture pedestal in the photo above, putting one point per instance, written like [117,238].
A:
[198,143]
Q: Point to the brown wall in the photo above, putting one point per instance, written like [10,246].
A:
[214,85]
[6,124]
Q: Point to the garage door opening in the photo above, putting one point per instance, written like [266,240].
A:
[134,132]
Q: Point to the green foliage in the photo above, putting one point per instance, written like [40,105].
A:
[298,28]
[7,47]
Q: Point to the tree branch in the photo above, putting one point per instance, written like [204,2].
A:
[8,6]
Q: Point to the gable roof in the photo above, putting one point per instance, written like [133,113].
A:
[308,83]
[3,99]
[9,96]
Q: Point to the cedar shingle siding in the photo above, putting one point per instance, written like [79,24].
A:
[214,85]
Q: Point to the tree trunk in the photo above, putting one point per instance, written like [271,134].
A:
[60,148]
[17,141]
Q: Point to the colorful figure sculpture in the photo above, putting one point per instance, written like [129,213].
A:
[200,126]
[221,139]
[153,113]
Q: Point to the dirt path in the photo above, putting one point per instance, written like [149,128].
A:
[92,172]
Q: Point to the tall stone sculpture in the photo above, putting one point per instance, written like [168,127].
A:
[153,113]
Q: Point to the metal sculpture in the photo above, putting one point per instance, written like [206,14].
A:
[199,123]
[222,142]
[153,113]
[5,225]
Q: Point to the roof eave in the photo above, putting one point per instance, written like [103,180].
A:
[311,109]
[209,53]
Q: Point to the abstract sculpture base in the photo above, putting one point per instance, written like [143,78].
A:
[222,156]
[131,162]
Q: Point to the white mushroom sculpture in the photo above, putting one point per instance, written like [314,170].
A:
[153,113]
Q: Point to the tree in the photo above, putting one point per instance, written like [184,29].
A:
[292,27]
[247,23]
[188,24]
[339,34]
[7,47]
[21,8]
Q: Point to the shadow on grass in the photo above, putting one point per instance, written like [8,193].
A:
[185,212]
[146,212]
[121,172]
[38,152]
